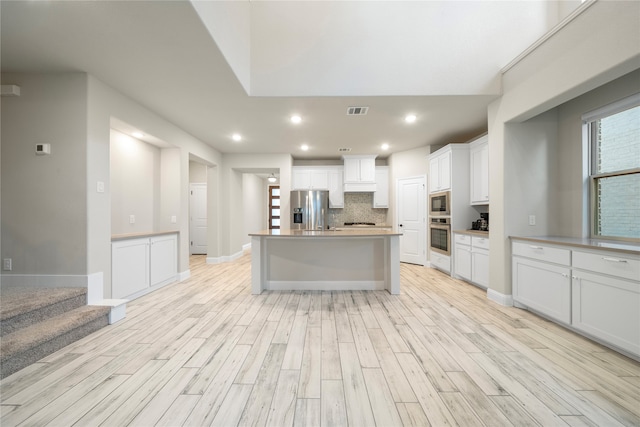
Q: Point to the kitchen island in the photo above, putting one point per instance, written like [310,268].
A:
[360,259]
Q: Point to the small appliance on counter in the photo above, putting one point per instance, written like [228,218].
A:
[482,224]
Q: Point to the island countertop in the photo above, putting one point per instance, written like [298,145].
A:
[352,232]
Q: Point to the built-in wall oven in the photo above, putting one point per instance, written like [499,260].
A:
[440,203]
[440,235]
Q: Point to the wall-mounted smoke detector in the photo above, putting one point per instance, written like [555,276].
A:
[344,150]
[357,111]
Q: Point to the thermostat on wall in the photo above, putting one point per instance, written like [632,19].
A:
[42,149]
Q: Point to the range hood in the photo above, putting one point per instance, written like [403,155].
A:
[359,173]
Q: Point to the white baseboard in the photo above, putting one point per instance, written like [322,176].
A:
[118,308]
[246,247]
[226,258]
[184,275]
[359,285]
[502,299]
[95,287]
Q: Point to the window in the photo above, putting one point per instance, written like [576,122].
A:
[614,141]
[274,207]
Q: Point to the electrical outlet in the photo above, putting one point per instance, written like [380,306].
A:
[100,187]
[174,219]
[132,219]
[532,220]
[6,264]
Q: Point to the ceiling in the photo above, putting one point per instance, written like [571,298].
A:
[215,68]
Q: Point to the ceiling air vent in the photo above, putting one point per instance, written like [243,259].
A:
[344,150]
[357,111]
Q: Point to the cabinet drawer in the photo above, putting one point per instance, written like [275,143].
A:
[442,262]
[463,239]
[480,242]
[542,253]
[608,263]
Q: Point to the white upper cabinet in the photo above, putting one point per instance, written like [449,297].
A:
[305,178]
[479,163]
[320,178]
[381,195]
[336,192]
[359,169]
[440,171]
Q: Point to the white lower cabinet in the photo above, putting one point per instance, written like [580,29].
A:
[595,292]
[163,263]
[439,261]
[608,309]
[462,256]
[129,267]
[471,259]
[480,267]
[543,287]
[139,265]
[605,300]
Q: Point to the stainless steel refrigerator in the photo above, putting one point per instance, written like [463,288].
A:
[309,210]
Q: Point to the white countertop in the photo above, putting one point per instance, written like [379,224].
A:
[473,232]
[611,245]
[352,232]
[142,234]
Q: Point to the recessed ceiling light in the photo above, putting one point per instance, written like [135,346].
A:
[137,134]
[385,146]
[296,119]
[410,118]
[236,137]
[304,147]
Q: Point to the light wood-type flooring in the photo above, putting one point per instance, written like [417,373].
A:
[207,352]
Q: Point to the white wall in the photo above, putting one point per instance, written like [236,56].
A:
[572,161]
[54,221]
[104,103]
[531,167]
[135,184]
[254,204]
[558,71]
[44,198]
[233,166]
[197,172]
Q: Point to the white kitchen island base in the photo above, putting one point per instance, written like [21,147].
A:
[325,260]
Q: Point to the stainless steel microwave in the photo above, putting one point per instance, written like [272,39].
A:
[440,203]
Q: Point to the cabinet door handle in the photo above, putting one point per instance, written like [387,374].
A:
[575,277]
[606,258]
[536,247]
[564,275]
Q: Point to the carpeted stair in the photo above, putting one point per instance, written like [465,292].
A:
[36,322]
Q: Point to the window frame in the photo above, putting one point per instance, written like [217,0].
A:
[588,121]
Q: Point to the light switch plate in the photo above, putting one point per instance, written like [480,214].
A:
[532,220]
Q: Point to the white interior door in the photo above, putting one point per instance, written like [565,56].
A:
[198,219]
[411,219]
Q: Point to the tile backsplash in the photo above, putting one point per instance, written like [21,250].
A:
[358,207]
